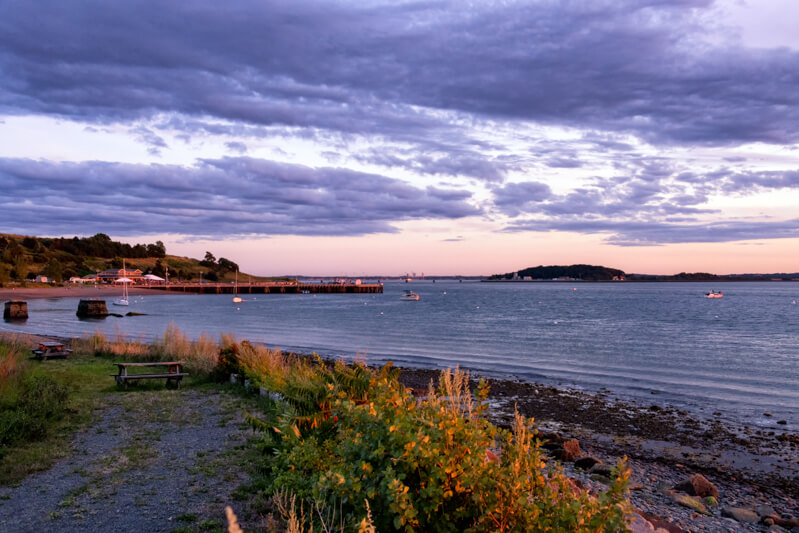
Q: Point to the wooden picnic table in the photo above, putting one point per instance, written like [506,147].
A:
[171,372]
[50,349]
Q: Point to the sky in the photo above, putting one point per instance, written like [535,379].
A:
[388,137]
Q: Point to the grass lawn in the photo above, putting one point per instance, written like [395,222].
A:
[88,379]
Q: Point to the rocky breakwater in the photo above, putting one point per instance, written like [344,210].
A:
[92,308]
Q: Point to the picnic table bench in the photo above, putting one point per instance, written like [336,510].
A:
[172,372]
[50,349]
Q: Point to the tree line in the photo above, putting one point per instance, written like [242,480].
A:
[63,257]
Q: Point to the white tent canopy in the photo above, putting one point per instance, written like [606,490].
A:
[153,277]
[123,280]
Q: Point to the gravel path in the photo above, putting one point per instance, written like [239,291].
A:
[156,460]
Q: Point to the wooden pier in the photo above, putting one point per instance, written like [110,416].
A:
[282,287]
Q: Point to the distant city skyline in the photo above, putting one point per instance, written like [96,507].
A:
[379,138]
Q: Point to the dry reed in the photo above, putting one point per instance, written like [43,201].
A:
[268,365]
[233,521]
[12,361]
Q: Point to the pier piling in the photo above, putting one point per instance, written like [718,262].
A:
[92,309]
[15,310]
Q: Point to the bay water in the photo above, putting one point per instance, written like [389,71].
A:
[662,343]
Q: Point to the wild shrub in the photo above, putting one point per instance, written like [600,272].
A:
[39,402]
[423,465]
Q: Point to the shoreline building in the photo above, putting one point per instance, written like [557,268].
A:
[112,274]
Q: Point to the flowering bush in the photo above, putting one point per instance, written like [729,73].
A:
[427,465]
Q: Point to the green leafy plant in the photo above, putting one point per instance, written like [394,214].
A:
[40,401]
[430,465]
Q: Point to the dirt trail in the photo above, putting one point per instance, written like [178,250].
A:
[156,460]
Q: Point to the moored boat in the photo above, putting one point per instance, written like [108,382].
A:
[409,296]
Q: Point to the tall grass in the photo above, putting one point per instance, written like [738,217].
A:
[201,356]
[12,362]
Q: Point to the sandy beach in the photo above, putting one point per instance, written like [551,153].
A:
[93,291]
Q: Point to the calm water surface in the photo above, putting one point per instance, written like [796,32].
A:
[738,355]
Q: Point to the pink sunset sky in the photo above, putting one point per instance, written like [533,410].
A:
[384,138]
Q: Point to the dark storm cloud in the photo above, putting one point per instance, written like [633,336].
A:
[220,197]
[636,66]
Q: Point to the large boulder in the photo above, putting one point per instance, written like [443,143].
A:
[586,462]
[698,485]
[661,524]
[690,502]
[740,514]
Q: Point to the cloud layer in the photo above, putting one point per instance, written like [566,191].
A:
[464,99]
[219,198]
[637,66]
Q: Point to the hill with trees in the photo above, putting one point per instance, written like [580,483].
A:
[576,272]
[601,273]
[22,258]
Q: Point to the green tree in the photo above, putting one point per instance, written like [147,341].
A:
[209,261]
[54,271]
[156,250]
[158,269]
[20,268]
[227,264]
[13,252]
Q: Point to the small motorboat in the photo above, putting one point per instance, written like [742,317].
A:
[714,294]
[409,296]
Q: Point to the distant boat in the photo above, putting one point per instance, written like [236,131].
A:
[124,280]
[236,297]
[409,296]
[714,294]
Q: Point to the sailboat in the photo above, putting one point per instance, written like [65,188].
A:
[124,280]
[236,297]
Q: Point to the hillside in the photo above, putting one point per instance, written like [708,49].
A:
[22,258]
[601,273]
[576,272]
